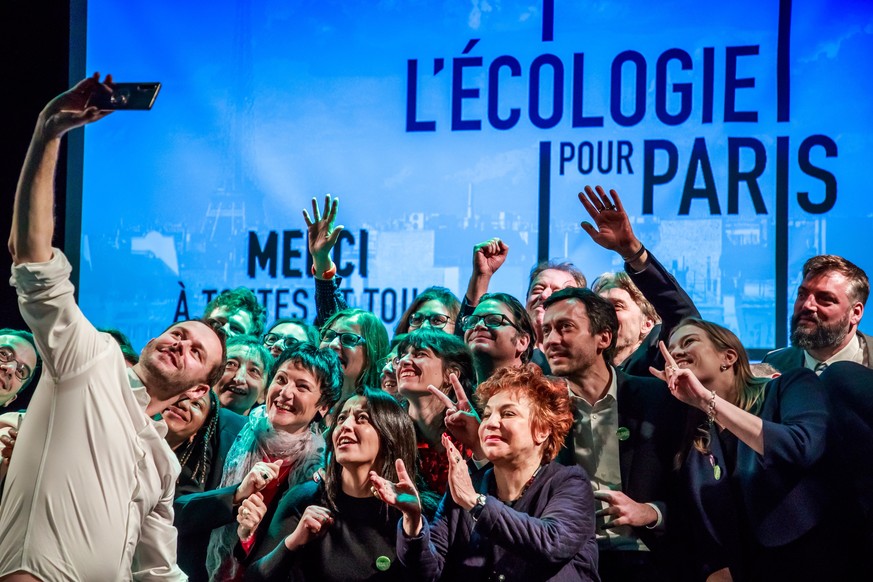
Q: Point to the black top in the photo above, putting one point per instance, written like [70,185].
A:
[364,530]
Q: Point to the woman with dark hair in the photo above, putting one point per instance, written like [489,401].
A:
[435,307]
[336,529]
[756,497]
[527,517]
[430,358]
[361,342]
[277,449]
[287,331]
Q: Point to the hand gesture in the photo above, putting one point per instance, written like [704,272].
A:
[682,382]
[460,484]
[461,418]
[322,234]
[312,525]
[624,510]
[73,108]
[488,256]
[613,230]
[251,512]
[402,495]
[7,439]
[256,479]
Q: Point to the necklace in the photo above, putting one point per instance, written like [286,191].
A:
[527,485]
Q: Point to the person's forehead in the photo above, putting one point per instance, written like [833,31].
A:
[432,306]
[567,309]
[490,306]
[294,369]
[355,403]
[291,329]
[346,324]
[555,278]
[617,294]
[508,396]
[23,349]
[832,281]
[246,354]
[684,331]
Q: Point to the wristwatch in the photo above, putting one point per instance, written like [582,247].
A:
[476,510]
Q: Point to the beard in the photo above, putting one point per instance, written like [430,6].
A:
[822,336]
[164,384]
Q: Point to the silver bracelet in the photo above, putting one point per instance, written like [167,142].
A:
[710,411]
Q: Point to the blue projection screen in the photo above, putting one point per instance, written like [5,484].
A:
[738,135]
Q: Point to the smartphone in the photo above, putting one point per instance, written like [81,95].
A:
[128,96]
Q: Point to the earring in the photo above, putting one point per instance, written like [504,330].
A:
[723,367]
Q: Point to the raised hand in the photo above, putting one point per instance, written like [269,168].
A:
[251,512]
[461,418]
[256,479]
[460,484]
[313,524]
[613,231]
[73,108]
[489,256]
[321,232]
[682,382]
[402,495]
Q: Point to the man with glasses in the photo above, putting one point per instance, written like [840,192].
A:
[499,333]
[18,362]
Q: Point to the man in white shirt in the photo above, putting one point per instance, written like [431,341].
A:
[827,311]
[89,491]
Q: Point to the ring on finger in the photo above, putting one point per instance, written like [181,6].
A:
[245,512]
[265,475]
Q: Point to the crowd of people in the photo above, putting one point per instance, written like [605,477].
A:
[603,432]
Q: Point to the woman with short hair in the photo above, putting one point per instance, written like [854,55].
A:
[527,517]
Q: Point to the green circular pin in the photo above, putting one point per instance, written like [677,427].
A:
[623,433]
[383,563]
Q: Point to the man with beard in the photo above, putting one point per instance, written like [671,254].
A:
[89,491]
[824,326]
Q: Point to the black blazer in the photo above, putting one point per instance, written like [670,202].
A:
[655,422]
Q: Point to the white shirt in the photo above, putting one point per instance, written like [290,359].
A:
[89,493]
[851,352]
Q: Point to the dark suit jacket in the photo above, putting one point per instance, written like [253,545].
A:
[672,304]
[655,421]
[195,521]
[785,359]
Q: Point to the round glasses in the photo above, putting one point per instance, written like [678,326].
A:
[490,320]
[22,372]
[284,340]
[437,320]
[347,340]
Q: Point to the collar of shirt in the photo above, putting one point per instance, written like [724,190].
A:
[610,396]
[852,352]
[142,397]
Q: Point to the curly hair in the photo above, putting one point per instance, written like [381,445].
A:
[240,299]
[549,399]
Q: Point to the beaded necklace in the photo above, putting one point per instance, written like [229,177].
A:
[524,489]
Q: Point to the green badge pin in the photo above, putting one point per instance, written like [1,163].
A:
[717,472]
[383,563]
[623,433]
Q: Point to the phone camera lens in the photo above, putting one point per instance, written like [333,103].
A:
[120,97]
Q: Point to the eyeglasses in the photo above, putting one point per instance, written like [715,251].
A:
[287,341]
[437,320]
[490,320]
[22,372]
[347,340]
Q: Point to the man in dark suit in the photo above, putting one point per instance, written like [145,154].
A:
[824,326]
[626,430]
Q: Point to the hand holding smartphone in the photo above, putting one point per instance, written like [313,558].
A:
[128,96]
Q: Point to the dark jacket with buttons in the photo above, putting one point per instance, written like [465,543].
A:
[548,535]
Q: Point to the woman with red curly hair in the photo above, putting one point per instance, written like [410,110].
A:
[525,518]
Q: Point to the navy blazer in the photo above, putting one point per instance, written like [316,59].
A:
[548,535]
[772,499]
[785,359]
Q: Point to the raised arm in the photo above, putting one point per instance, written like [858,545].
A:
[488,256]
[30,240]
[322,236]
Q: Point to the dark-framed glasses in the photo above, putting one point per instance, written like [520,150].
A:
[489,320]
[347,339]
[437,320]
[22,372]
[286,341]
